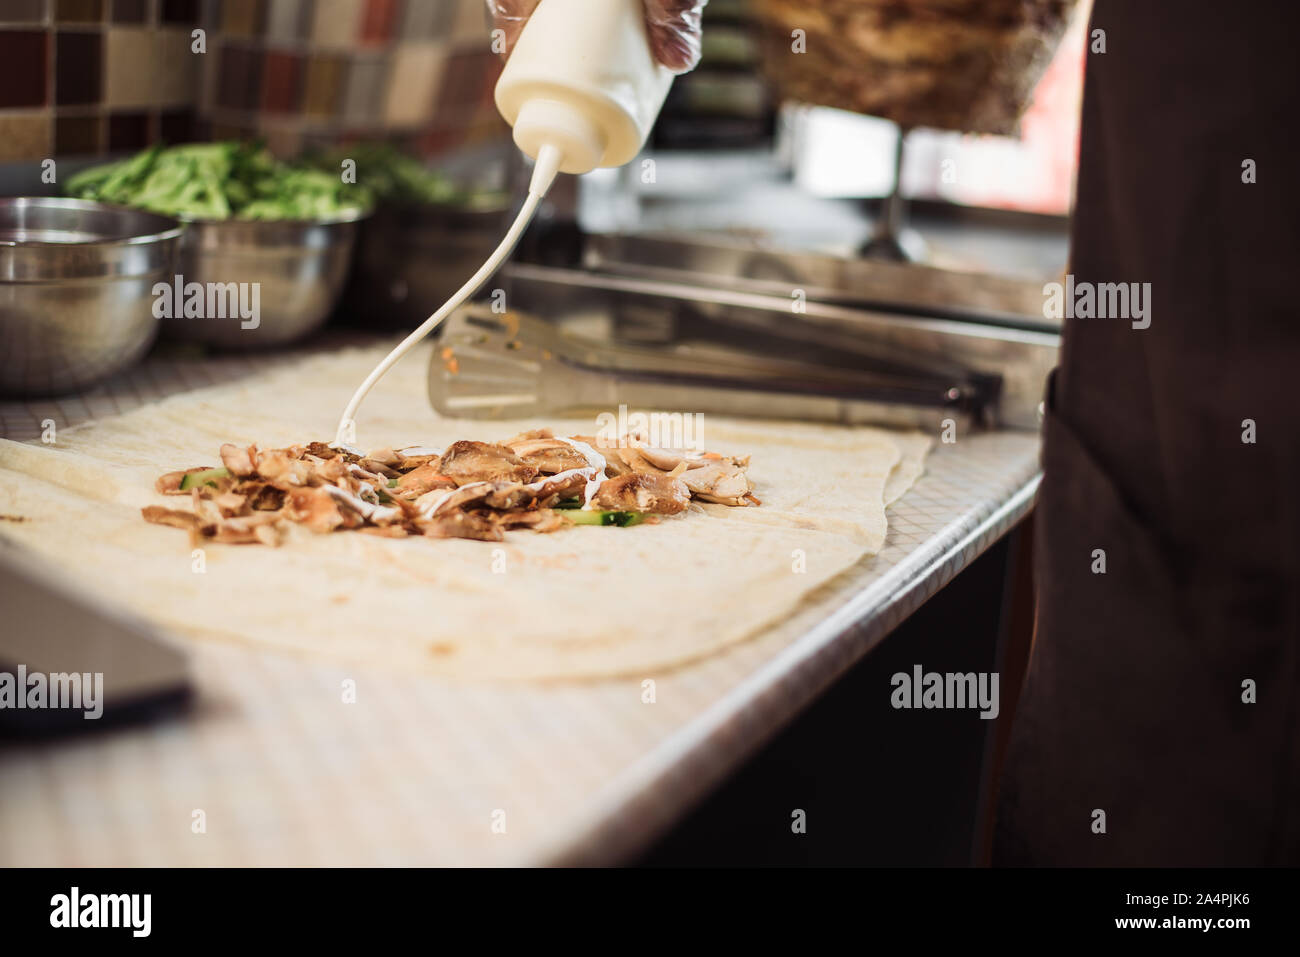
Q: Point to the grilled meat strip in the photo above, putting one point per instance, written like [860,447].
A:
[466,462]
[643,492]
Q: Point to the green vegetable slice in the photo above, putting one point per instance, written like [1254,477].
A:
[206,477]
[621,519]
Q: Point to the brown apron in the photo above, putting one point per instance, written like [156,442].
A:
[1133,704]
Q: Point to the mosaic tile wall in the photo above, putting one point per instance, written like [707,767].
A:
[83,77]
[86,77]
[299,72]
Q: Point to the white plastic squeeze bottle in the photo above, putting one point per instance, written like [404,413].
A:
[581,89]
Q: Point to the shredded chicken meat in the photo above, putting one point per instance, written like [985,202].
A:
[472,490]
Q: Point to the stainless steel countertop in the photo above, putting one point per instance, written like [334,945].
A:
[416,770]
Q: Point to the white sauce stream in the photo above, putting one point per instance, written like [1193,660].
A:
[346,431]
[595,472]
[374,513]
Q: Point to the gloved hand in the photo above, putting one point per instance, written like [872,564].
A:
[673,27]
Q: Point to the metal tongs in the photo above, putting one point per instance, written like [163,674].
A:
[492,365]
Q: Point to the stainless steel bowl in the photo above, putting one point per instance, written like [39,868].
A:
[76,290]
[291,271]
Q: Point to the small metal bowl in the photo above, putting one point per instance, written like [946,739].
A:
[76,290]
[292,271]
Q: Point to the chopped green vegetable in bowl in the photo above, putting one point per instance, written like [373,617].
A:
[216,181]
[395,177]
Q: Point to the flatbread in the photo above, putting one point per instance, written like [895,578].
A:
[583,602]
[913,448]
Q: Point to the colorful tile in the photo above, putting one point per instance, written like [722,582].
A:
[378,20]
[24,137]
[242,18]
[77,135]
[23,11]
[466,86]
[288,20]
[129,67]
[178,11]
[413,84]
[281,82]
[129,11]
[426,21]
[336,23]
[177,126]
[78,68]
[78,11]
[471,25]
[239,78]
[176,68]
[324,89]
[23,53]
[128,131]
[364,92]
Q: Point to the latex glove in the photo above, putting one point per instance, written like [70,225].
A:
[672,25]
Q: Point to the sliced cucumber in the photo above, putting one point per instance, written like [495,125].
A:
[621,519]
[206,477]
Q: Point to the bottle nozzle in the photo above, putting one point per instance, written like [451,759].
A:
[549,158]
